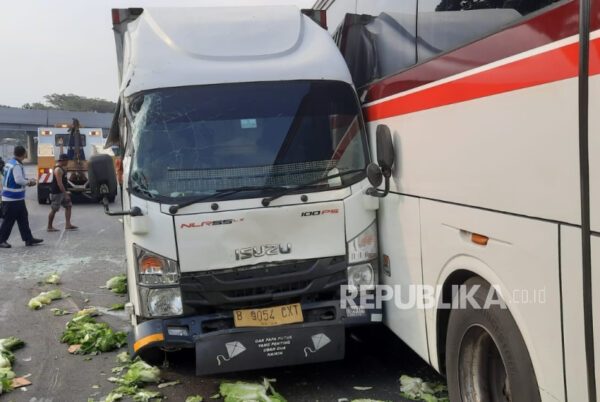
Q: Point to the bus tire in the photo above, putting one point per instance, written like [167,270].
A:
[486,357]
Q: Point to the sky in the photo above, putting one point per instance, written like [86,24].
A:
[67,46]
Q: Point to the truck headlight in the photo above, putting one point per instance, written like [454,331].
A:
[162,301]
[153,269]
[364,246]
[362,260]
[361,276]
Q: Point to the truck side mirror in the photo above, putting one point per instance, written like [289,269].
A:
[102,176]
[385,159]
[103,182]
[374,174]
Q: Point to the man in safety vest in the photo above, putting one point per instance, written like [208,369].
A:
[13,200]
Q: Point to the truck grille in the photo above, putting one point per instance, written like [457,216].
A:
[264,285]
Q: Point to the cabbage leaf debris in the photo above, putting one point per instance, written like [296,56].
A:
[93,337]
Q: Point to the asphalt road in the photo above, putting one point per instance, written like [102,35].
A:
[85,259]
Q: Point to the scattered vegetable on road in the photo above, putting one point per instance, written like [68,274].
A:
[57,311]
[132,382]
[117,284]
[244,391]
[45,298]
[53,279]
[91,311]
[118,306]
[416,389]
[7,358]
[93,337]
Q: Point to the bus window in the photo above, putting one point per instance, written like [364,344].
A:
[444,25]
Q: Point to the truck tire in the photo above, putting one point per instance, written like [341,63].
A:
[42,195]
[486,357]
[154,356]
[111,198]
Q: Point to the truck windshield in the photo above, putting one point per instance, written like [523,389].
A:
[194,141]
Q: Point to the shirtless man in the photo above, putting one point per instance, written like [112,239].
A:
[59,195]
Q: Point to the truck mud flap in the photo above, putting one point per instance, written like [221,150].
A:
[269,347]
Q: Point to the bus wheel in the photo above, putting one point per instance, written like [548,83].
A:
[486,357]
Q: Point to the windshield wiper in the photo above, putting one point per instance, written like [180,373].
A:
[221,193]
[267,200]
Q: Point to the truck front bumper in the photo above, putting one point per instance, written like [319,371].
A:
[320,338]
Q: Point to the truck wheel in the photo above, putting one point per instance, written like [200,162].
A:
[486,357]
[154,356]
[42,197]
[111,199]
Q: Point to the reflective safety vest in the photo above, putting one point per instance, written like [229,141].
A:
[11,190]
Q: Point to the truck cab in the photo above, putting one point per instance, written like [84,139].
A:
[245,186]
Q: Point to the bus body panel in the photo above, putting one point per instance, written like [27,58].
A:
[399,224]
[572,305]
[495,169]
[521,258]
[595,243]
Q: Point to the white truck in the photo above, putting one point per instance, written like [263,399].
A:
[60,138]
[245,187]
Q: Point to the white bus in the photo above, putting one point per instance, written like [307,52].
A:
[493,108]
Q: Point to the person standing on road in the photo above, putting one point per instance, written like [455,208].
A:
[59,194]
[2,163]
[13,200]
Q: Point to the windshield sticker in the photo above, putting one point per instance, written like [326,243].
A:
[248,123]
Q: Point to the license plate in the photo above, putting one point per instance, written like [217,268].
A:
[268,317]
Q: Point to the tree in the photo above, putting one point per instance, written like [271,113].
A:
[37,105]
[73,103]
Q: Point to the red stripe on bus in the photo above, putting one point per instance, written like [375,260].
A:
[554,65]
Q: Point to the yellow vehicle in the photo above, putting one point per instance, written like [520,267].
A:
[79,144]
